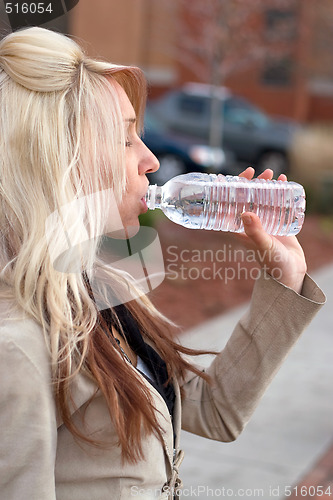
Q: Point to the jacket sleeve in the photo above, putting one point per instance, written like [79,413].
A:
[27,418]
[253,354]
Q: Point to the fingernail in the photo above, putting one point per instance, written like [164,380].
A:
[247,219]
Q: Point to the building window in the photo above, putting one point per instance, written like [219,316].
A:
[277,72]
[280,25]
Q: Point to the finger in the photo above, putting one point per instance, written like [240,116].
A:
[266,174]
[254,230]
[247,173]
[282,177]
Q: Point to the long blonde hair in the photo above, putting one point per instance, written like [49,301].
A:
[61,130]
[62,139]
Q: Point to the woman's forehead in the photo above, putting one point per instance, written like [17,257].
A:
[124,102]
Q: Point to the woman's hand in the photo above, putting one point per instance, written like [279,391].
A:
[281,256]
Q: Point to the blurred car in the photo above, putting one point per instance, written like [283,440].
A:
[251,135]
[180,154]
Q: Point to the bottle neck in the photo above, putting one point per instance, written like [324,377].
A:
[153,197]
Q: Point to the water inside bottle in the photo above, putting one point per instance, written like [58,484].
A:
[279,205]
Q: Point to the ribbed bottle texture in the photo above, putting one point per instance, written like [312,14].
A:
[208,201]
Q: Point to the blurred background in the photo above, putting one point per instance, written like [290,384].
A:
[232,83]
[266,71]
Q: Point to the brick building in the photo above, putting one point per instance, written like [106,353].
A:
[298,82]
[128,32]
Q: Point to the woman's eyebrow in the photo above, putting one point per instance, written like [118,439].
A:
[130,120]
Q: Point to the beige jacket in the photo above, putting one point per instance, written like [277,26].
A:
[40,459]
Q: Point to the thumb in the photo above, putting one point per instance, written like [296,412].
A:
[254,230]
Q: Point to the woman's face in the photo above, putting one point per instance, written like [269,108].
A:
[139,161]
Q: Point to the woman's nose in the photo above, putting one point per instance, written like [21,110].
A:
[149,163]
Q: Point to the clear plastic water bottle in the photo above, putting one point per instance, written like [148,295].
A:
[209,201]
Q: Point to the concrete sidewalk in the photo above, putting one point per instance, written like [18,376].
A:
[291,428]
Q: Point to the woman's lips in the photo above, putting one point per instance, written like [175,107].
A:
[144,204]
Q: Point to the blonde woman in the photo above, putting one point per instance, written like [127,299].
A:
[92,401]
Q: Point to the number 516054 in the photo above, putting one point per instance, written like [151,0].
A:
[28,8]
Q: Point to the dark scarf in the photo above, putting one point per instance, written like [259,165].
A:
[152,359]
